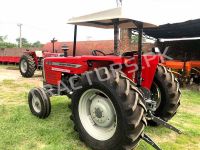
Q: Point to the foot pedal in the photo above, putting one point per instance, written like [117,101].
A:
[147,139]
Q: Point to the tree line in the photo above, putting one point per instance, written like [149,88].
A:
[25,43]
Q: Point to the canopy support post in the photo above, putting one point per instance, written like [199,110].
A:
[116,36]
[139,72]
[75,36]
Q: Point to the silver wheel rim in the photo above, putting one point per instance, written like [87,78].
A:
[36,104]
[24,66]
[97,114]
[156,95]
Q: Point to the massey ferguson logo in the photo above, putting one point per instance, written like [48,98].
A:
[63,64]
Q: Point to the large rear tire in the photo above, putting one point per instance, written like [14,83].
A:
[27,66]
[166,92]
[108,114]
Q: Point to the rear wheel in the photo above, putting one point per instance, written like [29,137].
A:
[166,92]
[27,66]
[108,114]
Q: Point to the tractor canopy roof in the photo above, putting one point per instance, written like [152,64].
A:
[105,19]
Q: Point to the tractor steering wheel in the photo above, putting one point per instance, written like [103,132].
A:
[94,53]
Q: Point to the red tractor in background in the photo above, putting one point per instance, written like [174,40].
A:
[30,61]
[113,97]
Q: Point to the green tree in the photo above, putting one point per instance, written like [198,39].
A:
[25,43]
[37,44]
[4,44]
[7,45]
[3,38]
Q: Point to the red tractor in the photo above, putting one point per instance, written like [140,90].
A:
[113,97]
[32,60]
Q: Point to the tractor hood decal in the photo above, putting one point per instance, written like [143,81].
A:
[60,70]
[66,65]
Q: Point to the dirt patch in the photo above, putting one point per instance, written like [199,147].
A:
[14,74]
[9,74]
[14,87]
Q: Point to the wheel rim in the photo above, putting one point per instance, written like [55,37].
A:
[24,66]
[36,104]
[97,114]
[156,94]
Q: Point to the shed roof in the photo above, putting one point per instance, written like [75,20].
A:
[187,29]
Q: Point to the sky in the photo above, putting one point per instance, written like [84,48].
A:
[44,19]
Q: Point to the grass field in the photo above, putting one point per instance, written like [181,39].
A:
[21,131]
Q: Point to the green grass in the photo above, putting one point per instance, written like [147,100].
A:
[20,130]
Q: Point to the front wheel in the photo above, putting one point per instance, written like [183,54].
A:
[108,114]
[39,103]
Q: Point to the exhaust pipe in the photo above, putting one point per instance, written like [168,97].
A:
[65,48]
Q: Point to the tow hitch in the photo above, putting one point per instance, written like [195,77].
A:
[162,122]
[147,139]
[151,107]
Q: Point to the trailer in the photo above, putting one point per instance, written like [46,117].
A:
[9,59]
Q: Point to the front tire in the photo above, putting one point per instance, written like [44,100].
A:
[39,103]
[166,92]
[27,66]
[108,114]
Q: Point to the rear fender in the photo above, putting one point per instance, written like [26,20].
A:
[149,66]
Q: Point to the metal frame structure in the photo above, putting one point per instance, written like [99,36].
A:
[116,25]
